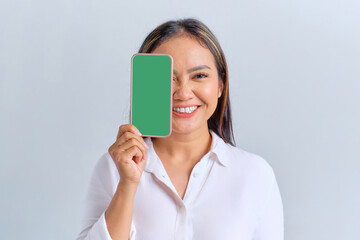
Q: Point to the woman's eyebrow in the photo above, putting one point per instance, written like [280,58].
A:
[195,68]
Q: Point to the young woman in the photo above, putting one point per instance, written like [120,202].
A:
[193,184]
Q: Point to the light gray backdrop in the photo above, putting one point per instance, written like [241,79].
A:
[64,91]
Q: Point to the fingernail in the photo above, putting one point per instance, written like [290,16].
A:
[139,133]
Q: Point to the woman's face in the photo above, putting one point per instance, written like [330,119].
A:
[195,82]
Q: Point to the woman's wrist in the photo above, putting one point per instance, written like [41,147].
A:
[127,187]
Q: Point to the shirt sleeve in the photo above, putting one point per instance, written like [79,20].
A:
[103,183]
[270,223]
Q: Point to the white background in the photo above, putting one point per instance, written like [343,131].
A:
[294,72]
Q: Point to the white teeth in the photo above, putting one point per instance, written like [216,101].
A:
[187,109]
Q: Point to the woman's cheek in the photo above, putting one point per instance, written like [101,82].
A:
[208,94]
[208,87]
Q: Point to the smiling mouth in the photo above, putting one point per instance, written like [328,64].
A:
[185,112]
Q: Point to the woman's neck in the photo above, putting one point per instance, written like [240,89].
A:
[182,148]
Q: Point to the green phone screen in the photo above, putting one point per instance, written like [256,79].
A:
[151,94]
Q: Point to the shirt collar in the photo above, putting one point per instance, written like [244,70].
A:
[218,147]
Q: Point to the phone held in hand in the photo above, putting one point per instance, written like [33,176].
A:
[151,94]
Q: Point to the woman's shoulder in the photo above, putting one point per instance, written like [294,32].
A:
[244,164]
[240,158]
[235,156]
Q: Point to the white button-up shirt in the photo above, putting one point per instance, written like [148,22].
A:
[231,194]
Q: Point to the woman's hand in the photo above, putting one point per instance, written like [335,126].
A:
[129,154]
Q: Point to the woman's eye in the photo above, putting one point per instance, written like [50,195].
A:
[201,74]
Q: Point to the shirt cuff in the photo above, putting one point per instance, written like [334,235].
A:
[100,231]
[132,231]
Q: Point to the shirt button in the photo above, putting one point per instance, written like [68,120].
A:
[163,176]
[195,174]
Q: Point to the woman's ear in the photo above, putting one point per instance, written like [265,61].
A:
[220,89]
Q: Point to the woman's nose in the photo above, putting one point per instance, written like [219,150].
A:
[182,91]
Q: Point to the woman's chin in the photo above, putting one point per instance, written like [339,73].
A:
[183,130]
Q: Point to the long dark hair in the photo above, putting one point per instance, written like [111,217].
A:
[220,121]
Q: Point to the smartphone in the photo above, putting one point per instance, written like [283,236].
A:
[151,94]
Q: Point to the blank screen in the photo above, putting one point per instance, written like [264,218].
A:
[151,94]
